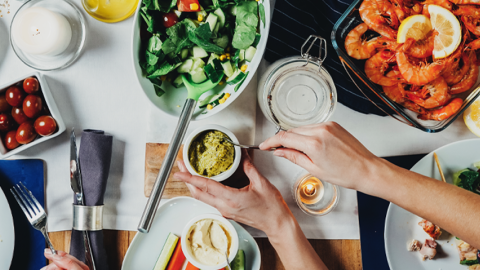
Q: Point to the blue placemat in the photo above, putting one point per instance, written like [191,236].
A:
[29,243]
[371,216]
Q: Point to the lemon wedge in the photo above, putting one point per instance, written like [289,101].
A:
[449,31]
[416,26]
[471,116]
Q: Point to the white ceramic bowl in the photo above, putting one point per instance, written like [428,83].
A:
[172,101]
[51,105]
[188,252]
[236,160]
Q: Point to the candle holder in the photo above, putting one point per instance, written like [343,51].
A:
[314,196]
[78,32]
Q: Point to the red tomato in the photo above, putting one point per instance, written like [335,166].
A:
[32,106]
[45,125]
[6,122]
[19,115]
[188,5]
[25,133]
[4,106]
[169,19]
[10,140]
[30,85]
[15,96]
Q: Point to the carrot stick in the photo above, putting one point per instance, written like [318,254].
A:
[178,258]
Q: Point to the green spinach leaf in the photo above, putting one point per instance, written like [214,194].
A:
[241,82]
[164,5]
[151,58]
[200,41]
[158,91]
[244,37]
[204,32]
[469,180]
[163,69]
[154,44]
[261,10]
[247,18]
[168,46]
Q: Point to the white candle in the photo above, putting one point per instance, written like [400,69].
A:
[40,31]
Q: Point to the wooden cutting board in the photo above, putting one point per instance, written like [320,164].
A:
[154,155]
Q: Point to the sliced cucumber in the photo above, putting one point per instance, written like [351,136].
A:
[184,54]
[178,81]
[215,31]
[242,55]
[204,102]
[167,252]
[201,12]
[212,21]
[227,68]
[212,100]
[236,77]
[199,52]
[250,53]
[212,57]
[178,13]
[221,16]
[239,262]
[221,41]
[212,74]
[233,10]
[197,63]
[186,66]
[217,64]
[198,75]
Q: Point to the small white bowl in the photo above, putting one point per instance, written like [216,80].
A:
[236,160]
[51,105]
[188,252]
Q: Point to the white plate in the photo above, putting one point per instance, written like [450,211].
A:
[401,226]
[7,233]
[171,217]
[172,101]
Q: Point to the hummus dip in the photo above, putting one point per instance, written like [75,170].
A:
[208,240]
[210,155]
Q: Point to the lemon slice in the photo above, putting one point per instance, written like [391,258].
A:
[471,116]
[449,31]
[416,26]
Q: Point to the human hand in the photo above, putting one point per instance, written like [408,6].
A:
[63,260]
[327,151]
[259,204]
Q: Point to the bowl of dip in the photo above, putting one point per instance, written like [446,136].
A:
[206,153]
[205,239]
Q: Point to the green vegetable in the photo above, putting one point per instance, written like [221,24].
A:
[236,77]
[469,180]
[154,44]
[239,262]
[158,91]
[163,5]
[221,17]
[250,53]
[213,74]
[477,164]
[468,262]
[186,66]
[164,69]
[257,40]
[212,20]
[243,37]
[201,37]
[456,177]
[168,46]
[221,41]
[241,82]
[261,10]
[178,81]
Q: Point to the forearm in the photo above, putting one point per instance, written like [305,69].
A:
[450,207]
[293,247]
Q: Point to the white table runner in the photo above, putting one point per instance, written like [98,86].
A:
[100,91]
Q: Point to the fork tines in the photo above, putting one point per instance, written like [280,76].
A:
[29,204]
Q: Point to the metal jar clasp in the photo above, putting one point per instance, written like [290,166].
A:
[321,55]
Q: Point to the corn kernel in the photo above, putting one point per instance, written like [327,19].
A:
[257,0]
[209,107]
[244,68]
[200,18]
[226,78]
[228,57]
[227,54]
[221,83]
[222,57]
[163,77]
[194,6]
[221,101]
[227,95]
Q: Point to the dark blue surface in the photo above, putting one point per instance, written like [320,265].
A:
[29,243]
[371,215]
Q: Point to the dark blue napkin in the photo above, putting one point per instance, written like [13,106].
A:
[294,21]
[371,216]
[29,243]
[94,156]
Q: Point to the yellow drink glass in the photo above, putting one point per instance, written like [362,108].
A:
[110,11]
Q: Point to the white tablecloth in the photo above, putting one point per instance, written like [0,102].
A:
[100,91]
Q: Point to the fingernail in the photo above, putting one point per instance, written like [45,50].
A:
[278,154]
[178,164]
[48,251]
[261,145]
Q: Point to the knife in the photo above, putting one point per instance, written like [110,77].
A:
[77,187]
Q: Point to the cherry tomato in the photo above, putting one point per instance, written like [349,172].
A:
[32,105]
[10,140]
[30,85]
[15,96]
[19,115]
[4,106]
[169,19]
[6,122]
[25,133]
[188,5]
[45,125]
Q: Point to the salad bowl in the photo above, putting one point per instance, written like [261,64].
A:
[172,101]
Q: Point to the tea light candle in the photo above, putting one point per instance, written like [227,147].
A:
[40,31]
[311,191]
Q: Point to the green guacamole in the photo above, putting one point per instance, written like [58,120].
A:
[210,154]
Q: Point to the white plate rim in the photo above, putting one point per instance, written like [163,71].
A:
[8,219]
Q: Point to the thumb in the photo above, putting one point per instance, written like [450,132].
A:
[296,157]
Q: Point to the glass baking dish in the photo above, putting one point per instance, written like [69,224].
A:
[347,22]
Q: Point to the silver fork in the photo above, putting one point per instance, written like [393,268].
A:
[244,145]
[33,210]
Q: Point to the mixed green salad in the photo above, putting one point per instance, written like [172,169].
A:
[203,39]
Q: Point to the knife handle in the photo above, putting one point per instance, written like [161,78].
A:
[88,251]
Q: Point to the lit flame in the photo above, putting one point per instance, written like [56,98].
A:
[309,189]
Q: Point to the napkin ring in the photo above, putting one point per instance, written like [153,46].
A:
[87,218]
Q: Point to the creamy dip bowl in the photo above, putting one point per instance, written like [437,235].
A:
[191,139]
[204,241]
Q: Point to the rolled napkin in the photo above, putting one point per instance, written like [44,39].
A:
[294,21]
[94,156]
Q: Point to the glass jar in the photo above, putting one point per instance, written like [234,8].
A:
[298,91]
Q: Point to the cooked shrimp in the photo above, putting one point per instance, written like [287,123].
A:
[456,73]
[399,9]
[469,79]
[356,46]
[423,48]
[417,74]
[468,10]
[464,2]
[395,92]
[474,45]
[444,112]
[471,24]
[437,90]
[375,13]
[413,107]
[377,65]
[431,229]
[443,3]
